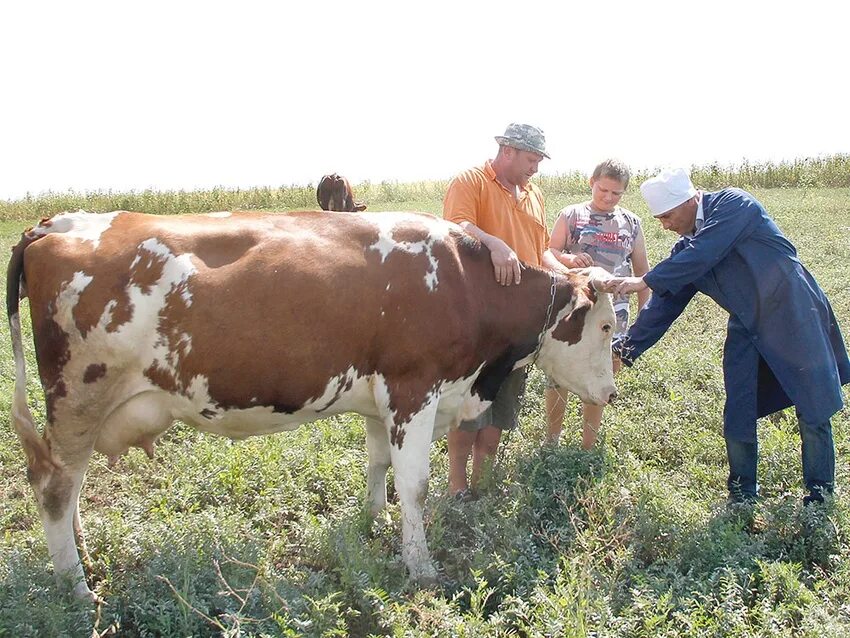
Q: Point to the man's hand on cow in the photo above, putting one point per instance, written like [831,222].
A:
[506,264]
[625,285]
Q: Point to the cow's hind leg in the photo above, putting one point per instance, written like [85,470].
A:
[378,449]
[410,444]
[57,493]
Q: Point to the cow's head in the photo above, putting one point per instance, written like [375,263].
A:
[576,350]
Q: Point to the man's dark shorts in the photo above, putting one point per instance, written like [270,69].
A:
[504,411]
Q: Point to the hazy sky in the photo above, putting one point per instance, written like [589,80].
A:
[183,95]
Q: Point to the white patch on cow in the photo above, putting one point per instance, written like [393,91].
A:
[69,295]
[473,407]
[220,213]
[198,392]
[367,395]
[438,231]
[176,268]
[80,225]
[457,403]
[259,420]
[381,393]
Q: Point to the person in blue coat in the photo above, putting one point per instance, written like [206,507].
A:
[783,345]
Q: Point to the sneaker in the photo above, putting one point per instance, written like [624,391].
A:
[816,495]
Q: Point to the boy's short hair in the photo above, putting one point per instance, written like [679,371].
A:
[613,168]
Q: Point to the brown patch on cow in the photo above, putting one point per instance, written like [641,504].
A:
[397,433]
[51,396]
[51,345]
[147,271]
[52,353]
[97,297]
[411,233]
[93,302]
[56,495]
[93,372]
[161,378]
[122,313]
[570,328]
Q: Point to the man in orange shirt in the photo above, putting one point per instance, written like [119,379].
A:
[498,205]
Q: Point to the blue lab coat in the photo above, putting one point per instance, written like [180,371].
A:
[783,344]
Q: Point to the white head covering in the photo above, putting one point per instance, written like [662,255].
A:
[667,190]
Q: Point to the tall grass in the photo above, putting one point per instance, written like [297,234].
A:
[832,172]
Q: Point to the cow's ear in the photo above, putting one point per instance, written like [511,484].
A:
[359,207]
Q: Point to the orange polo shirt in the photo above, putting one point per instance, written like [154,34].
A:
[476,196]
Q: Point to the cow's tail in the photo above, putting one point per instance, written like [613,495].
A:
[39,458]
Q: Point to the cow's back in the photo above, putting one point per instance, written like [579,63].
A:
[251,310]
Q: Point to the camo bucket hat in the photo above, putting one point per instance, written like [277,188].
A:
[524,137]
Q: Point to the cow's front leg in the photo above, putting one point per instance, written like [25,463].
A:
[410,445]
[378,449]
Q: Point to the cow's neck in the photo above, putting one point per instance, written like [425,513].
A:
[519,315]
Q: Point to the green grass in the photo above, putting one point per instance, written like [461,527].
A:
[268,537]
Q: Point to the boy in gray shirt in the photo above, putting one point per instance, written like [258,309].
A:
[598,232]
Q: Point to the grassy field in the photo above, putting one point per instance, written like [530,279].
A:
[267,537]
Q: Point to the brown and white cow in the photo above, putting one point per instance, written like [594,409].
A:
[334,193]
[251,323]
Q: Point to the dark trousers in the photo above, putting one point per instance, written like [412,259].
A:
[818,462]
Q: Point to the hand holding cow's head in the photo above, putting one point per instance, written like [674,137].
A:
[599,279]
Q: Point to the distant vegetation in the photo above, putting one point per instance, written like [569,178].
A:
[829,172]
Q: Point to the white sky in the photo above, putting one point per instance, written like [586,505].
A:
[183,94]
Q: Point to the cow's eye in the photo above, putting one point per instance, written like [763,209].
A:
[606,327]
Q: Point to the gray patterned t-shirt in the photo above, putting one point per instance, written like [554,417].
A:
[609,239]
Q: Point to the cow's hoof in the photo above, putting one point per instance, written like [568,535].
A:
[82,592]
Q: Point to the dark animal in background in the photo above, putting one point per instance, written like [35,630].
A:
[334,193]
